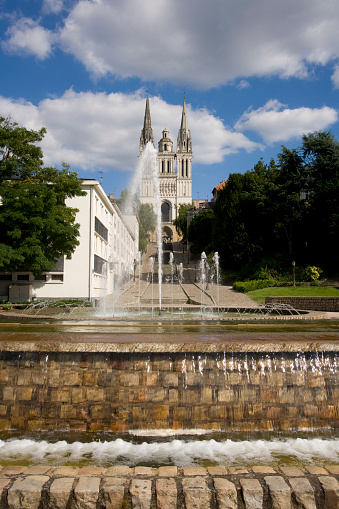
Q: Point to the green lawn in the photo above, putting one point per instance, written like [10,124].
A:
[294,291]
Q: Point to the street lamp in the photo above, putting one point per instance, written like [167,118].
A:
[293,266]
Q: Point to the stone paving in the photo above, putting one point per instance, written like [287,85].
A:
[169,487]
[188,294]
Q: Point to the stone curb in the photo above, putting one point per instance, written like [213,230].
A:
[169,487]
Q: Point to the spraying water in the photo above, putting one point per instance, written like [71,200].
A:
[147,165]
[217,275]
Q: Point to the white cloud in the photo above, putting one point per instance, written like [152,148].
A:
[275,122]
[53,6]
[335,77]
[99,130]
[201,43]
[26,36]
[243,84]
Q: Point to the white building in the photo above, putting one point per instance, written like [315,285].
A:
[108,247]
[174,170]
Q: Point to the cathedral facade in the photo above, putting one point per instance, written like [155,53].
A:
[174,170]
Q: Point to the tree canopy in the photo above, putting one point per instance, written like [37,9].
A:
[37,226]
[180,222]
[282,211]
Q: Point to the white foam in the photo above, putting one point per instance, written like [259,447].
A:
[176,452]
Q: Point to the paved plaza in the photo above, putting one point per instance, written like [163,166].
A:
[143,290]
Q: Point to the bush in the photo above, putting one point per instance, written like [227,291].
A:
[312,273]
[258,284]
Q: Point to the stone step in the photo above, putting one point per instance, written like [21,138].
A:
[121,487]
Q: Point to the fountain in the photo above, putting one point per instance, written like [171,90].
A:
[189,390]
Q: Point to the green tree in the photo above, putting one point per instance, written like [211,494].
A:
[147,224]
[147,218]
[36,225]
[321,160]
[200,232]
[180,222]
[286,207]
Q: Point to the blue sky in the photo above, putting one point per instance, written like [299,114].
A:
[256,75]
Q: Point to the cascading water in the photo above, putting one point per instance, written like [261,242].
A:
[147,165]
[217,275]
[171,261]
[203,278]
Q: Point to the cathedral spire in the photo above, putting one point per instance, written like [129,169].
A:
[146,131]
[184,142]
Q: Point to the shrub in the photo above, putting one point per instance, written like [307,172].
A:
[258,284]
[312,273]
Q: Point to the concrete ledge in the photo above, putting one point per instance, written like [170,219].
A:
[121,487]
[307,303]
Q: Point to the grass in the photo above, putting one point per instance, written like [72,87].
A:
[293,291]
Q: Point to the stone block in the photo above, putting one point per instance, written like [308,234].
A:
[170,380]
[191,471]
[95,394]
[226,493]
[88,378]
[292,471]
[8,394]
[114,491]
[160,412]
[303,493]
[71,377]
[238,470]
[316,470]
[169,471]
[167,494]
[24,393]
[86,492]
[13,470]
[217,470]
[280,492]
[263,470]
[77,395]
[252,493]
[39,470]
[333,469]
[65,471]
[90,471]
[3,376]
[3,484]
[141,493]
[60,492]
[196,493]
[330,486]
[143,471]
[26,492]
[119,470]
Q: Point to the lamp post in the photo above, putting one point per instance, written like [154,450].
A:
[293,267]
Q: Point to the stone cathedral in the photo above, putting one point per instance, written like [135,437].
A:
[175,171]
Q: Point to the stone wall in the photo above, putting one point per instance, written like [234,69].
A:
[307,303]
[120,487]
[118,391]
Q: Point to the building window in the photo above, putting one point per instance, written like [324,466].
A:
[5,277]
[42,277]
[57,277]
[165,212]
[22,277]
[100,265]
[100,229]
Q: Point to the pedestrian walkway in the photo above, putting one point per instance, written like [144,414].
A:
[143,291]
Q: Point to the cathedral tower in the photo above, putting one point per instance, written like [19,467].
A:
[175,171]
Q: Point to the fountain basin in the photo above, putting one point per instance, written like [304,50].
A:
[199,380]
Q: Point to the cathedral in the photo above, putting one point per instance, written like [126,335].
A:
[175,171]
